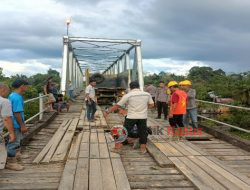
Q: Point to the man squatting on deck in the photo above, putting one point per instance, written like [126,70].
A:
[138,103]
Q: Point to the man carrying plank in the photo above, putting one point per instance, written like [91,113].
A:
[138,103]
[6,122]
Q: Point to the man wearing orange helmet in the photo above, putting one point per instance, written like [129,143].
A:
[178,102]
[191,105]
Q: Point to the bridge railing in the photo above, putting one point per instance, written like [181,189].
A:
[220,122]
[40,98]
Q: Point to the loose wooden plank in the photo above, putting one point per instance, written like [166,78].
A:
[75,147]
[63,147]
[82,174]
[95,175]
[159,157]
[192,176]
[108,179]
[189,149]
[216,175]
[3,155]
[56,140]
[241,180]
[207,179]
[120,175]
[45,150]
[68,176]
[163,149]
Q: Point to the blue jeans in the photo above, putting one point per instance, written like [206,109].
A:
[191,113]
[12,146]
[91,109]
[71,94]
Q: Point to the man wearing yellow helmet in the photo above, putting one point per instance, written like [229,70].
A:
[191,105]
[177,105]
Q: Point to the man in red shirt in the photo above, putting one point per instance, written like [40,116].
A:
[178,103]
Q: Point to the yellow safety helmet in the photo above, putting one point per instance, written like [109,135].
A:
[181,83]
[172,83]
[186,83]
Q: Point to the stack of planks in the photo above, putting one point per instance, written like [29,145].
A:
[90,164]
[57,148]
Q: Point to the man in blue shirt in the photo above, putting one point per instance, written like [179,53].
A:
[16,99]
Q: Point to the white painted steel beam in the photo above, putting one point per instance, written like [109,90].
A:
[64,65]
[139,66]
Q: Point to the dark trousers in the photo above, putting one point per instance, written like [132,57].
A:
[162,106]
[91,109]
[142,128]
[176,121]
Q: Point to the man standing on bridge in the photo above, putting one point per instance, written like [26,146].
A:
[6,121]
[90,99]
[191,105]
[178,103]
[18,119]
[138,103]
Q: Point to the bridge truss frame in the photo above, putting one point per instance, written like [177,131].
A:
[77,59]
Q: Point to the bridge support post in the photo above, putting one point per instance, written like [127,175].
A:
[127,65]
[40,106]
[139,65]
[65,64]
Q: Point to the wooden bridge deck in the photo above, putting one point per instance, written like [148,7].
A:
[201,163]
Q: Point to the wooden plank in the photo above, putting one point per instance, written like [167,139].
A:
[234,176]
[84,150]
[63,147]
[172,149]
[82,174]
[101,137]
[93,137]
[159,157]
[192,176]
[180,149]
[108,179]
[216,175]
[3,155]
[75,147]
[94,150]
[85,137]
[189,149]
[95,175]
[56,140]
[103,149]
[163,149]
[68,176]
[121,179]
[207,179]
[45,150]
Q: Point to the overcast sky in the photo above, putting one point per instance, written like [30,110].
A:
[176,34]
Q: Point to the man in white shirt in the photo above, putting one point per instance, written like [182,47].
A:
[90,100]
[138,103]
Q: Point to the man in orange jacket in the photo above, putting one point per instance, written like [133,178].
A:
[178,103]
